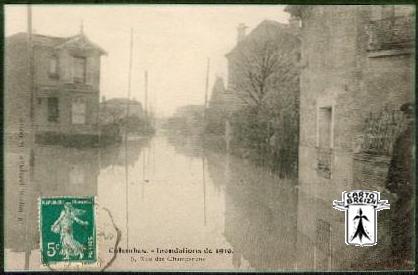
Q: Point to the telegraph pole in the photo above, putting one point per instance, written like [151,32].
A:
[146,98]
[129,79]
[126,135]
[32,135]
[203,152]
[207,86]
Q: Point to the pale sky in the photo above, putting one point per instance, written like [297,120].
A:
[172,42]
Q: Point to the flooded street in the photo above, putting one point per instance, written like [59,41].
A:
[168,193]
[167,200]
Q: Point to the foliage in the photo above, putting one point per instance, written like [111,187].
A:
[136,125]
[266,127]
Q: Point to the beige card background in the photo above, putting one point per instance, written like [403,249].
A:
[244,123]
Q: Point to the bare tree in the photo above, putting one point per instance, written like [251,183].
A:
[262,67]
[111,114]
[265,81]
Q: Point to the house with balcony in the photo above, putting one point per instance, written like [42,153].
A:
[58,95]
[358,69]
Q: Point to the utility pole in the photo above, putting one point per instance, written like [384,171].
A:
[126,136]
[146,100]
[207,86]
[146,93]
[203,152]
[30,59]
[153,107]
[32,136]
[129,79]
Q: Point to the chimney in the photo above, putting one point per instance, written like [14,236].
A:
[294,23]
[241,32]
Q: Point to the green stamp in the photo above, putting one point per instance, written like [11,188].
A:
[68,230]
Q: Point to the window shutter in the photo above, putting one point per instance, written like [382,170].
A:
[67,68]
[90,70]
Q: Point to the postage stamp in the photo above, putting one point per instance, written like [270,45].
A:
[67,230]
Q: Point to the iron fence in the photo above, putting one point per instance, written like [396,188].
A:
[390,33]
[381,130]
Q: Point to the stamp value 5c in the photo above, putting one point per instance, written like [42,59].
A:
[67,230]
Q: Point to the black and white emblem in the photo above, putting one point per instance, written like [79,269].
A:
[361,208]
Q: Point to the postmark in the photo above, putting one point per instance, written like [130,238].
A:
[67,230]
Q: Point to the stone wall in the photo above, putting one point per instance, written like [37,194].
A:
[370,171]
[339,72]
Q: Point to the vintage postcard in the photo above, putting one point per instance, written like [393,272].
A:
[209,137]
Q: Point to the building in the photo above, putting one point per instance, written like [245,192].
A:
[114,109]
[357,70]
[187,120]
[59,94]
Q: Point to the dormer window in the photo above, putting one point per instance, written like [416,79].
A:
[53,67]
[79,69]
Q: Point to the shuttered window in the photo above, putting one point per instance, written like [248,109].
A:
[53,111]
[79,69]
[78,111]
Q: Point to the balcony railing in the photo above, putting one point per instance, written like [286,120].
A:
[390,33]
[381,130]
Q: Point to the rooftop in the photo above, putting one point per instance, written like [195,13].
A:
[79,41]
[269,27]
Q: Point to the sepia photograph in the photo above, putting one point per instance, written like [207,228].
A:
[208,137]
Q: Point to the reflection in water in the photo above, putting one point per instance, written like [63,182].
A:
[56,171]
[260,216]
[168,192]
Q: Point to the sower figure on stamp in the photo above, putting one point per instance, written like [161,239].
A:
[70,247]
[399,182]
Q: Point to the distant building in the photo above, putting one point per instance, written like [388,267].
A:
[193,114]
[187,120]
[65,85]
[358,69]
[114,109]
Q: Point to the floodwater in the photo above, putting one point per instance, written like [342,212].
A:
[169,193]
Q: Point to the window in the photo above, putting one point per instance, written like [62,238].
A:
[79,69]
[325,127]
[53,111]
[78,111]
[53,67]
[324,142]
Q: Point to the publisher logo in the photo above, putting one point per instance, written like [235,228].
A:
[361,208]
